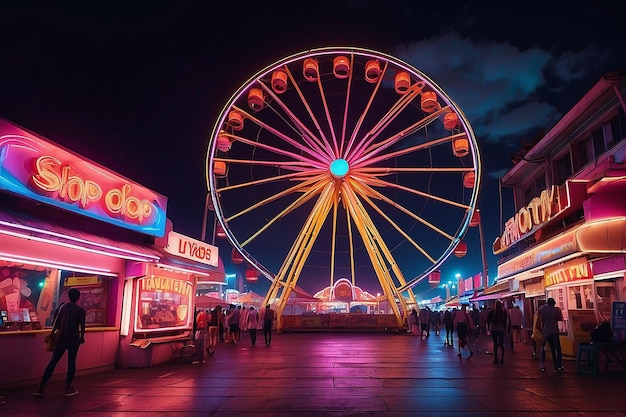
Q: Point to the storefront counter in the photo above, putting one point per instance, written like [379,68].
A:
[146,352]
[25,359]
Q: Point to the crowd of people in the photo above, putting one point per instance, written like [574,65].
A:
[226,326]
[504,326]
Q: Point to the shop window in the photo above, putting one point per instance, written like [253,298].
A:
[597,138]
[580,297]
[93,295]
[163,304]
[29,295]
[562,169]
[562,302]
[20,293]
[534,189]
[618,129]
[605,295]
[584,153]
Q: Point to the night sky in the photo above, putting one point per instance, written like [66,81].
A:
[138,87]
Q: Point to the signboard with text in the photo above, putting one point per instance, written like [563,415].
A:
[195,250]
[34,168]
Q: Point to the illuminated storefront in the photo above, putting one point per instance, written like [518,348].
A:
[566,241]
[67,222]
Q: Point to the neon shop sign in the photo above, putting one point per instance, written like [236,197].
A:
[54,177]
[34,168]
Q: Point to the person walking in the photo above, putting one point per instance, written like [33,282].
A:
[412,322]
[548,322]
[69,319]
[425,322]
[538,342]
[269,316]
[215,322]
[497,322]
[252,323]
[515,321]
[448,321]
[201,335]
[233,324]
[463,322]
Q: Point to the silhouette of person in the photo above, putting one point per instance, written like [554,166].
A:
[70,321]
[269,316]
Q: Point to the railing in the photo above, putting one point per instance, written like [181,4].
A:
[339,322]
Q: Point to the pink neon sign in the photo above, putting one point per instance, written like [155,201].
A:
[35,168]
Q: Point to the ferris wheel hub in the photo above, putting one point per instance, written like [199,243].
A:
[339,168]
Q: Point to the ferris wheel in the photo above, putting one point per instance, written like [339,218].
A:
[343,163]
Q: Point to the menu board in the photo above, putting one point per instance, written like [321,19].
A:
[618,316]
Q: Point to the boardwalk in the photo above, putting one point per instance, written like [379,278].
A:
[324,374]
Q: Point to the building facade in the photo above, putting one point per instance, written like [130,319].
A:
[67,222]
[567,238]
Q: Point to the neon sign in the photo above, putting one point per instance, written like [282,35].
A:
[539,211]
[34,168]
[575,270]
[195,250]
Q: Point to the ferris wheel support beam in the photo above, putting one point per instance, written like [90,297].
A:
[377,250]
[333,244]
[293,264]
[385,250]
[351,243]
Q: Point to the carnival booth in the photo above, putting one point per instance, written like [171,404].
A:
[160,300]
[65,222]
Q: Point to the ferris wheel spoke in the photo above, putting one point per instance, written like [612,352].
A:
[303,175]
[365,111]
[382,183]
[328,117]
[378,147]
[345,111]
[307,136]
[324,143]
[317,163]
[306,187]
[398,228]
[378,171]
[306,196]
[366,190]
[409,150]
[393,112]
[281,135]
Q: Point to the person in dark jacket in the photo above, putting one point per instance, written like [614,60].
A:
[69,319]
[497,324]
